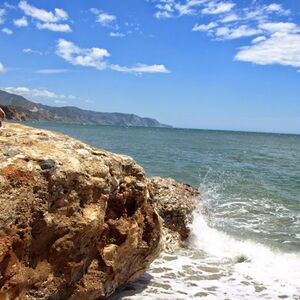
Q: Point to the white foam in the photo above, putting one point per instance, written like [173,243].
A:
[272,269]
[220,266]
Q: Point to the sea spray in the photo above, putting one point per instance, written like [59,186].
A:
[258,265]
[218,265]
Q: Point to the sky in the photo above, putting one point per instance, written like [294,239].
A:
[209,64]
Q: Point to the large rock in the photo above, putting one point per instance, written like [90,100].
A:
[75,222]
[175,203]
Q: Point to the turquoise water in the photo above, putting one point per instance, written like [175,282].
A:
[250,184]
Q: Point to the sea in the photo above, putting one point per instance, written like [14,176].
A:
[245,234]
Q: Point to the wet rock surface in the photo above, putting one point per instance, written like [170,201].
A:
[175,203]
[76,222]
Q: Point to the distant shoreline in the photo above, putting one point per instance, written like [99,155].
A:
[174,128]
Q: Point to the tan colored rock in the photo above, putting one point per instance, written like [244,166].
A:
[75,222]
[175,203]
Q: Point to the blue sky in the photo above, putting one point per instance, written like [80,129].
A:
[190,63]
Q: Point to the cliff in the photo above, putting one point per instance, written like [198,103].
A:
[70,114]
[14,114]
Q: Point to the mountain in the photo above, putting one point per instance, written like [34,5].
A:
[19,106]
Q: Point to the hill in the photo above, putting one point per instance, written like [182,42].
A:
[35,111]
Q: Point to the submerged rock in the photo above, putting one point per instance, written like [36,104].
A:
[175,203]
[75,222]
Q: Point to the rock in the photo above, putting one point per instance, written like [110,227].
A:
[75,222]
[13,113]
[175,203]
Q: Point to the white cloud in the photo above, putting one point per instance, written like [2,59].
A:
[218,7]
[2,14]
[173,8]
[140,68]
[54,27]
[8,5]
[263,13]
[281,48]
[22,22]
[230,18]
[176,8]
[52,71]
[205,27]
[275,38]
[117,34]
[189,8]
[35,93]
[280,27]
[29,50]
[2,68]
[43,15]
[105,19]
[89,57]
[228,33]
[277,8]
[96,58]
[7,31]
[163,15]
[276,42]
[259,39]
[254,11]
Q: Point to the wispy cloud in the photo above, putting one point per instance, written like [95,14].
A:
[9,6]
[52,71]
[98,58]
[280,27]
[281,48]
[49,20]
[29,50]
[273,41]
[176,8]
[259,39]
[43,15]
[103,18]
[116,34]
[2,68]
[227,33]
[205,27]
[2,14]
[7,31]
[54,27]
[214,8]
[35,93]
[22,22]
[141,68]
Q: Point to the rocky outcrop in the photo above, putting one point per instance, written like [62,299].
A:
[175,203]
[12,113]
[75,222]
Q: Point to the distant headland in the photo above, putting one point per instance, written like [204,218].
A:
[20,109]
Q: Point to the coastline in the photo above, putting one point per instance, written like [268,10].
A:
[99,196]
